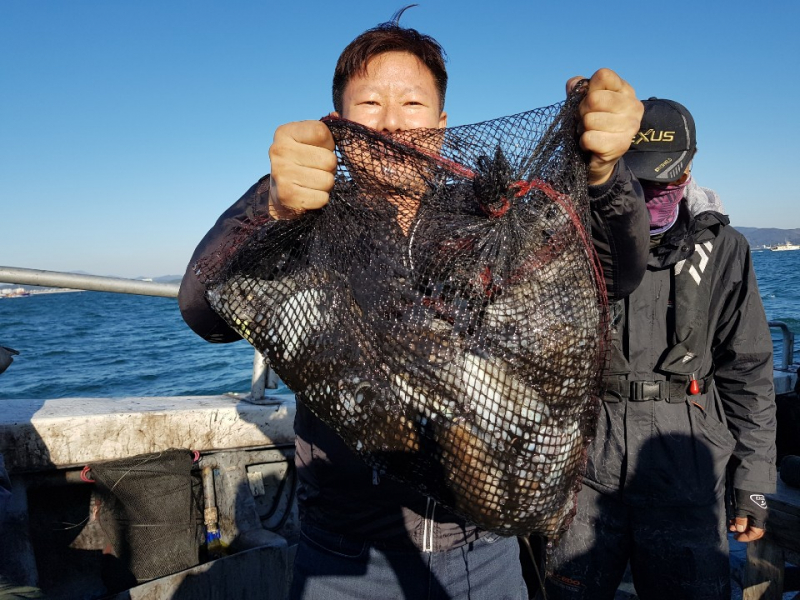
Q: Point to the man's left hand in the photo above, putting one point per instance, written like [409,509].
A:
[750,515]
[611,115]
[745,531]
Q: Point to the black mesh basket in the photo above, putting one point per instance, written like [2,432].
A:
[150,512]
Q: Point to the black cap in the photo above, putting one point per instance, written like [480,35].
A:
[665,144]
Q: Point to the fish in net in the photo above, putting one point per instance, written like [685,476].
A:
[444,313]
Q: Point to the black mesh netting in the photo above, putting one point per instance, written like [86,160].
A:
[150,512]
[444,313]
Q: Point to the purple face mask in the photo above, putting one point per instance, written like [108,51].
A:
[662,203]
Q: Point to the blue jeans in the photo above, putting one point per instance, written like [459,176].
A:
[331,567]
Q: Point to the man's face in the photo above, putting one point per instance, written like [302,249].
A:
[396,93]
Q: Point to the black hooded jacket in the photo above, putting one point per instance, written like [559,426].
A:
[338,492]
[696,315]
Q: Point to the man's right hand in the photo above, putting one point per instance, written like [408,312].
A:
[302,171]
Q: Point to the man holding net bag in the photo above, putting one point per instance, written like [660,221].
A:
[436,299]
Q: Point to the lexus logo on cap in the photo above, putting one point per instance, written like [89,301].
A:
[651,135]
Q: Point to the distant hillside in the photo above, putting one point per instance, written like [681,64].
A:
[168,279]
[768,236]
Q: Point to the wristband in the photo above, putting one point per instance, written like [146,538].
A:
[753,506]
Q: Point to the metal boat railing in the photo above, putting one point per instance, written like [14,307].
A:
[263,379]
[787,344]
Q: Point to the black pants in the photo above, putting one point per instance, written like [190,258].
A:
[675,553]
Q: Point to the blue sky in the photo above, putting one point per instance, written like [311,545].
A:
[126,128]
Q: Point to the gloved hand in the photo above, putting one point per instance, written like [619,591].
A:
[750,516]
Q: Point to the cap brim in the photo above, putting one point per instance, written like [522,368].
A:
[658,166]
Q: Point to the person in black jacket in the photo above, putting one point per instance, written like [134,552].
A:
[689,398]
[364,536]
[6,357]
[9,590]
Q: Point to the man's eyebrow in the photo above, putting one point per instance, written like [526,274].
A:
[370,85]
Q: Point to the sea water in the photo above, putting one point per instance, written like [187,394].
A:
[96,344]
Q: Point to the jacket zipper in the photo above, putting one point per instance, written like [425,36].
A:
[427,529]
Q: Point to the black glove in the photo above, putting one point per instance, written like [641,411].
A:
[753,506]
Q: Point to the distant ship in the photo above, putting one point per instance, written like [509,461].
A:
[14,292]
[785,246]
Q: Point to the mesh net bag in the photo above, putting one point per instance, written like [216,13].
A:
[444,313]
[150,512]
